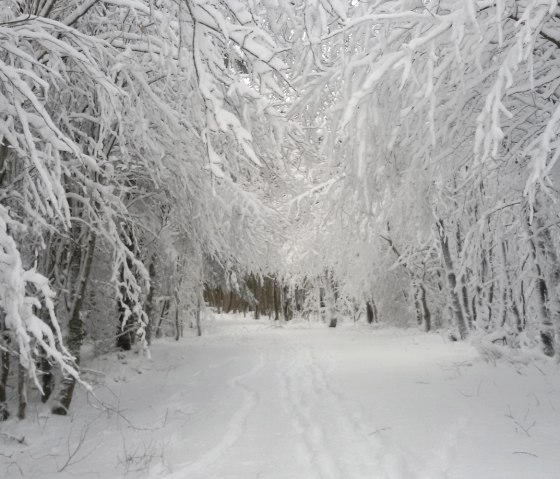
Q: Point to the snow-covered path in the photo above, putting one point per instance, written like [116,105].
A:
[250,400]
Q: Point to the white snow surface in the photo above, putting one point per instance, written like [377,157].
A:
[250,399]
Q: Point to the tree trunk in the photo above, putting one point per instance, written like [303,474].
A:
[423,315]
[164,309]
[371,312]
[177,320]
[4,372]
[552,267]
[490,301]
[198,326]
[286,303]
[22,391]
[149,308]
[330,297]
[463,280]
[47,377]
[547,328]
[275,300]
[509,292]
[75,329]
[426,315]
[456,306]
[125,325]
[418,306]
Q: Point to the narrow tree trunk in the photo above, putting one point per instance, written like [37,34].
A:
[198,326]
[149,308]
[330,297]
[369,312]
[418,306]
[426,315]
[473,305]
[228,302]
[275,300]
[22,391]
[322,310]
[124,325]
[463,280]
[4,372]
[287,303]
[547,328]
[423,315]
[523,305]
[548,252]
[164,309]
[75,330]
[490,301]
[258,299]
[456,306]
[47,377]
[177,321]
[126,321]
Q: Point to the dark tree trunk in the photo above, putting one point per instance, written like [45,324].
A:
[423,315]
[198,325]
[125,322]
[418,306]
[125,325]
[551,270]
[22,391]
[286,303]
[164,309]
[44,365]
[149,308]
[75,330]
[547,329]
[331,297]
[178,328]
[371,312]
[4,372]
[464,290]
[177,325]
[426,315]
[275,300]
[456,306]
[47,377]
[490,289]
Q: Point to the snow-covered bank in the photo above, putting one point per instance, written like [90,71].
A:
[250,400]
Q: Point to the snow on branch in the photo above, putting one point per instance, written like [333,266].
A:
[18,307]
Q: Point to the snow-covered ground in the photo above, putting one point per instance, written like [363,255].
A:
[251,400]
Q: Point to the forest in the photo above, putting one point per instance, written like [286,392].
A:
[387,162]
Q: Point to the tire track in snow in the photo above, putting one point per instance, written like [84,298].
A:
[235,429]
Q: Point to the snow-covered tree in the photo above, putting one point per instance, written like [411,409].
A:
[439,132]
[110,109]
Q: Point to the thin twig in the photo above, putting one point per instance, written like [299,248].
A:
[525,452]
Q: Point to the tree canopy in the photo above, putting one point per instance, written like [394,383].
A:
[397,154]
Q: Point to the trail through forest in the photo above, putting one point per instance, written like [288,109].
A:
[250,399]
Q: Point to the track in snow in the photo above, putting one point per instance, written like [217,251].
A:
[296,418]
[356,404]
[249,400]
